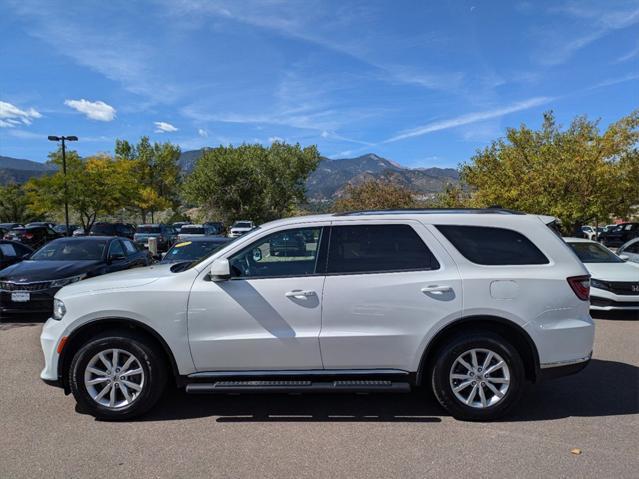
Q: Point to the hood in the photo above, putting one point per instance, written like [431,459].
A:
[624,272]
[33,270]
[188,236]
[124,279]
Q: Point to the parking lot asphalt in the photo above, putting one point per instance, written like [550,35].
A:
[595,411]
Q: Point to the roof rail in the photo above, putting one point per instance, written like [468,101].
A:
[406,211]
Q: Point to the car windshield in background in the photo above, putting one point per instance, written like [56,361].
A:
[148,229]
[106,230]
[242,224]
[191,251]
[594,253]
[65,250]
[192,230]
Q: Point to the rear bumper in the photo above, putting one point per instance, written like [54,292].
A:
[557,370]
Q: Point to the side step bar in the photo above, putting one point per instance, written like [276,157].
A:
[225,387]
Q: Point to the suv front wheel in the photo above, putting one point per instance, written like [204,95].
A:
[117,375]
[478,376]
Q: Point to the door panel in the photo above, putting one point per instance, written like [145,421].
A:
[254,325]
[380,320]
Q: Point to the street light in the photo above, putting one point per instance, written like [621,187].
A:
[64,170]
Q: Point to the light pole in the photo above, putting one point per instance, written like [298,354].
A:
[64,170]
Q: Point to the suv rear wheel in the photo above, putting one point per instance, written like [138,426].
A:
[117,375]
[478,376]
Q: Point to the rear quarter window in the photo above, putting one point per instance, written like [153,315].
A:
[493,246]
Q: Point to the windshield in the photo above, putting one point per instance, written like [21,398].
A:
[594,253]
[148,229]
[190,251]
[71,250]
[242,224]
[192,230]
[105,229]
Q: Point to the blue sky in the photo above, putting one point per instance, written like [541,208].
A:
[423,83]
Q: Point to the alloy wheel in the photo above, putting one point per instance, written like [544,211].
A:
[479,378]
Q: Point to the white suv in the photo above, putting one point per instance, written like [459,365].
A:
[472,303]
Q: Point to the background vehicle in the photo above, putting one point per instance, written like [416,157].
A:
[240,227]
[293,244]
[218,225]
[194,249]
[621,234]
[189,232]
[112,229]
[630,250]
[62,229]
[29,286]
[79,232]
[6,227]
[165,235]
[32,236]
[614,282]
[41,223]
[12,252]
[178,225]
[377,302]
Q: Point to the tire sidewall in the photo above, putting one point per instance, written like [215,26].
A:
[151,365]
[456,347]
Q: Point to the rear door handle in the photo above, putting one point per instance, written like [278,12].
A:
[437,289]
[298,293]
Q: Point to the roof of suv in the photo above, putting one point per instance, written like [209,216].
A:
[419,211]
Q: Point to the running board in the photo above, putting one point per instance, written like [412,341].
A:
[225,387]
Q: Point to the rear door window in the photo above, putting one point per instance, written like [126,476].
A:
[377,249]
[493,246]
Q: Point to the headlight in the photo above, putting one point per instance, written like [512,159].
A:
[59,310]
[596,283]
[58,283]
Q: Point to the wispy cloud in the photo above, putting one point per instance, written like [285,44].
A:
[469,118]
[94,110]
[202,132]
[164,127]
[11,115]
[629,55]
[616,81]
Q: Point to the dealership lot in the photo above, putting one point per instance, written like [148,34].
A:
[596,411]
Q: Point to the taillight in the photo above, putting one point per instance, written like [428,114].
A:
[581,286]
[28,235]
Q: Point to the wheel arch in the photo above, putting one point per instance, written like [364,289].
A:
[80,335]
[510,330]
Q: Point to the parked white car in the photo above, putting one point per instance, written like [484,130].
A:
[590,232]
[240,227]
[630,250]
[472,303]
[614,281]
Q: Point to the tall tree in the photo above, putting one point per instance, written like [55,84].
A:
[577,174]
[251,181]
[96,186]
[375,194]
[13,204]
[157,171]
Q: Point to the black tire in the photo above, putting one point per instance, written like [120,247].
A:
[151,361]
[454,348]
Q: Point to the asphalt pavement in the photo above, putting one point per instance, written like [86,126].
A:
[595,412]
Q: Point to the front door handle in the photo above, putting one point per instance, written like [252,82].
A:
[298,293]
[437,289]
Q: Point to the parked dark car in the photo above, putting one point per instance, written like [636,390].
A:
[12,252]
[218,225]
[41,223]
[29,286]
[165,235]
[288,244]
[9,226]
[178,225]
[620,234]
[62,229]
[32,236]
[195,249]
[112,229]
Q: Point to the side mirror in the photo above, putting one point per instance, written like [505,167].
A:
[257,254]
[220,270]
[624,257]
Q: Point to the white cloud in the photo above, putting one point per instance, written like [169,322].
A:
[275,139]
[164,127]
[469,118]
[202,132]
[94,110]
[11,115]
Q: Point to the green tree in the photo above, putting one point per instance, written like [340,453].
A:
[375,194]
[157,172]
[97,186]
[13,204]
[453,196]
[251,181]
[577,174]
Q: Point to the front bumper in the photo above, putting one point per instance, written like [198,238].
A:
[603,300]
[39,302]
[52,333]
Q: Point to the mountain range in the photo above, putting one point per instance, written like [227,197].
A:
[327,182]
